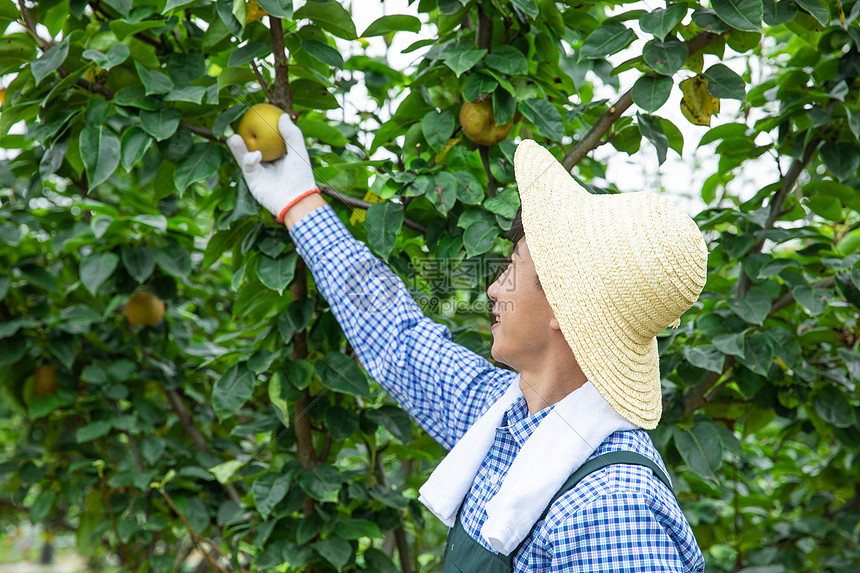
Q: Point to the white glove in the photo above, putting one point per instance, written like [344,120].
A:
[280,184]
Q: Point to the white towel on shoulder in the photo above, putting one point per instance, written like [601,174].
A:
[446,488]
[558,446]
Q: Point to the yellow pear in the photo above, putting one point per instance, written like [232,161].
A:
[259,128]
[479,124]
[45,380]
[144,308]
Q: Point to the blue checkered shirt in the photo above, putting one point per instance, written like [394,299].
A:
[619,518]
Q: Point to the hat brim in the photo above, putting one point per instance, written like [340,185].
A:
[562,224]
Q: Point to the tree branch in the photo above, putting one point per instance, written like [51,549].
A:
[362,204]
[260,80]
[484,30]
[610,116]
[797,166]
[485,160]
[203,132]
[194,537]
[399,532]
[698,396]
[178,407]
[283,95]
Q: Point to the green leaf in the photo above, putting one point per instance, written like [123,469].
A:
[92,431]
[730,343]
[817,9]
[245,54]
[505,203]
[357,528]
[39,276]
[479,238]
[849,289]
[139,262]
[544,116]
[190,94]
[443,193]
[528,7]
[160,124]
[841,159]
[232,390]
[342,374]
[268,490]
[744,15]
[666,57]
[298,373]
[437,128]
[278,8]
[154,82]
[341,422]
[276,273]
[42,506]
[121,6]
[653,131]
[853,122]
[461,56]
[322,132]
[135,143]
[335,550]
[852,362]
[4,286]
[331,16]
[173,260]
[378,562]
[706,357]
[724,83]
[114,57]
[393,419]
[52,59]
[204,161]
[651,92]
[382,224]
[323,482]
[96,268]
[504,106]
[833,406]
[100,152]
[324,53]
[10,327]
[662,20]
[470,190]
[123,30]
[700,447]
[758,354]
[753,308]
[393,23]
[171,4]
[606,40]
[17,48]
[312,95]
[508,60]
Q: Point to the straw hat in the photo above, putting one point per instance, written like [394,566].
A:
[616,270]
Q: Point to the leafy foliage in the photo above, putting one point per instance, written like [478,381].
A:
[241,424]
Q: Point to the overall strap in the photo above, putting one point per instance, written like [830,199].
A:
[594,464]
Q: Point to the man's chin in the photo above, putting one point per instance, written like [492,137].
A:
[498,357]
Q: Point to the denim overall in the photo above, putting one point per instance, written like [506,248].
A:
[465,555]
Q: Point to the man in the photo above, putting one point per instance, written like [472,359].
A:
[549,468]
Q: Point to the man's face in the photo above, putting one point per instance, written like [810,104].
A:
[521,334]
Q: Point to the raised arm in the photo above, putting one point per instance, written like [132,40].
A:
[443,385]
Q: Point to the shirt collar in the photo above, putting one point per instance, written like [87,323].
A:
[520,423]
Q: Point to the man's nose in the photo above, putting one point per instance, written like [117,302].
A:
[492,289]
